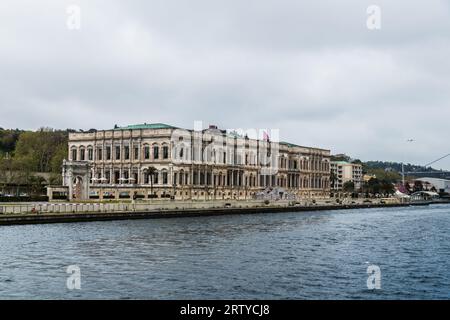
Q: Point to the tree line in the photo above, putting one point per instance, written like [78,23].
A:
[25,153]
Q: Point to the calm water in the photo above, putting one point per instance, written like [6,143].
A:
[320,255]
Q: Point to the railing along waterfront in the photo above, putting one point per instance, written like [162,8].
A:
[157,206]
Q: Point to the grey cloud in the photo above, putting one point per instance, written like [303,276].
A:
[311,69]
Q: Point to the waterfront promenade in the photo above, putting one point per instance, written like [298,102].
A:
[31,213]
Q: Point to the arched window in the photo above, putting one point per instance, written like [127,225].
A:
[146,152]
[74,154]
[82,154]
[155,152]
[165,151]
[90,153]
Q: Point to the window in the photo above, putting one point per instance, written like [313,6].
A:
[155,152]
[117,153]
[90,154]
[164,177]
[136,153]
[82,154]
[127,152]
[99,154]
[74,154]
[147,152]
[165,152]
[202,178]
[108,153]
[155,178]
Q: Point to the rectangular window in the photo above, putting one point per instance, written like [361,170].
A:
[165,152]
[136,153]
[127,152]
[82,154]
[155,178]
[117,153]
[155,152]
[147,152]
[108,153]
[164,176]
[90,154]
[74,154]
[99,154]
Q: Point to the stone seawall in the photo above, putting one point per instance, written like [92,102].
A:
[36,218]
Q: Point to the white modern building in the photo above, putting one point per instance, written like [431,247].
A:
[343,172]
[441,185]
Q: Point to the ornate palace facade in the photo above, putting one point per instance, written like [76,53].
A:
[159,161]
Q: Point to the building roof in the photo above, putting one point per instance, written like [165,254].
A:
[232,134]
[291,145]
[433,179]
[146,126]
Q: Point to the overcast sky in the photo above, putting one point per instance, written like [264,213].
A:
[309,68]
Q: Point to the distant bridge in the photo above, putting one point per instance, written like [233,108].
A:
[441,158]
[433,173]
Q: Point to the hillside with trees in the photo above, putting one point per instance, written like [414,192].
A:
[27,156]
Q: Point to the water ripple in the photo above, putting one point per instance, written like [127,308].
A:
[318,255]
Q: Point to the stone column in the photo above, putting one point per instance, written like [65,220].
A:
[70,184]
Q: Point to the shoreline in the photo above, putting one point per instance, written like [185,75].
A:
[46,218]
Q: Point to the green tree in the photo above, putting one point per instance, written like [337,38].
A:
[36,150]
[382,174]
[8,140]
[57,158]
[387,187]
[373,186]
[349,186]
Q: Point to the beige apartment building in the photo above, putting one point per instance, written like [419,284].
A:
[162,161]
[343,172]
